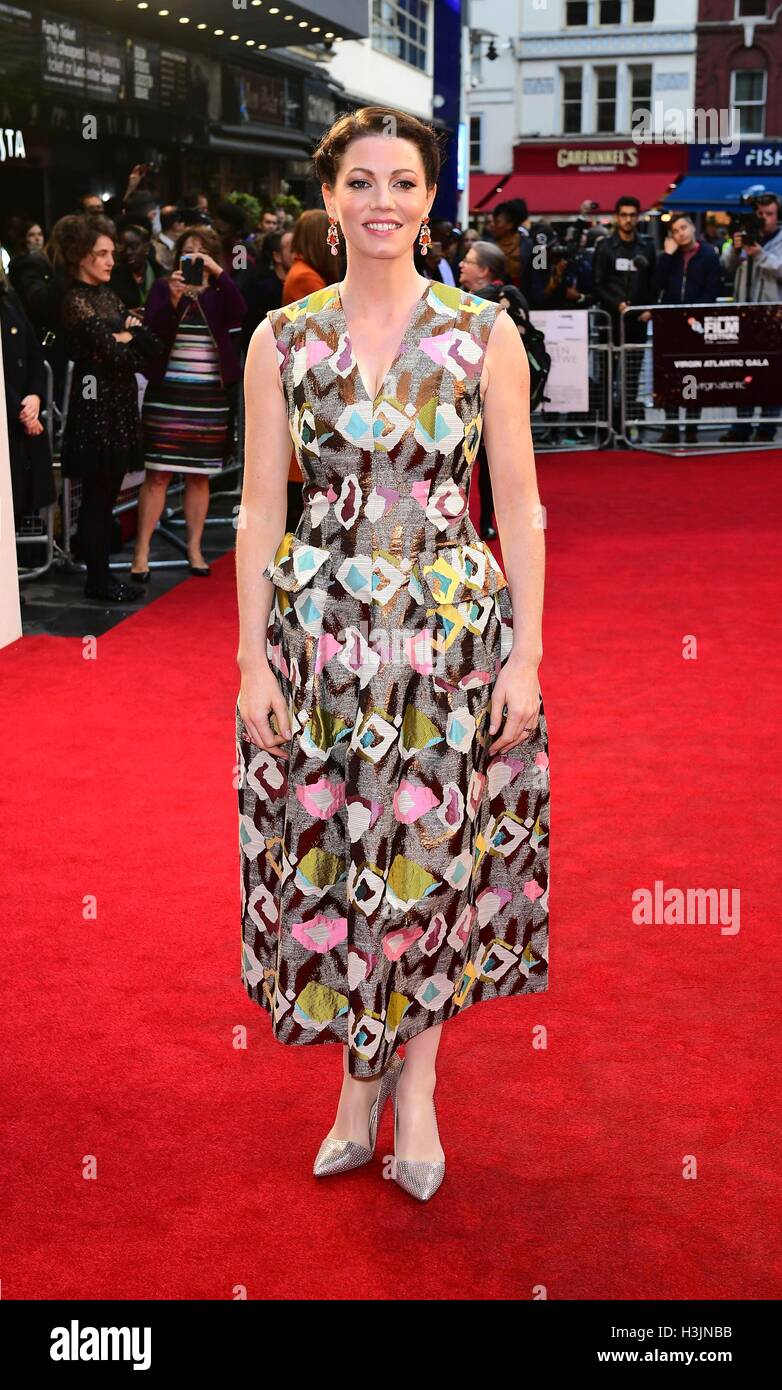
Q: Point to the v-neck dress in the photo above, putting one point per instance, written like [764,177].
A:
[393,871]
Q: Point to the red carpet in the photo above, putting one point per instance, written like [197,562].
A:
[565,1165]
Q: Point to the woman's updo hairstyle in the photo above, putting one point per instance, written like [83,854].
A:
[376,120]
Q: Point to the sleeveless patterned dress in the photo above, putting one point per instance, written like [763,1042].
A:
[392,872]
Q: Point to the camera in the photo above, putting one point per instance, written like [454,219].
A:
[562,251]
[193,270]
[748,223]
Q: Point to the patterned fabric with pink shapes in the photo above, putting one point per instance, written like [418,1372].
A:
[393,871]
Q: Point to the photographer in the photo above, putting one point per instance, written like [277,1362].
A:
[186,411]
[555,284]
[688,272]
[754,259]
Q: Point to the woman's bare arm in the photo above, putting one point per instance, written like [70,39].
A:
[261,525]
[508,440]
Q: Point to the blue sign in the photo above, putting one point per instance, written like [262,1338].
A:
[752,156]
[461,157]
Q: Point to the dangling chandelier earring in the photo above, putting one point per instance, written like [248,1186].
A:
[332,236]
[425,239]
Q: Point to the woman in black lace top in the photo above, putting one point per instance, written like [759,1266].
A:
[103,438]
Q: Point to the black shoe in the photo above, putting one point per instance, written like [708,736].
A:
[765,434]
[691,434]
[202,570]
[670,435]
[114,592]
[736,436]
[139,576]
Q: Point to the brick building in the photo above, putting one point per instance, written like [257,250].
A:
[739,58]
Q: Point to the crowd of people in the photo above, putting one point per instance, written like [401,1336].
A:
[154,303]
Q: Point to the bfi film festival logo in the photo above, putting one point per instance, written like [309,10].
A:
[716,328]
[673,125]
[76,1343]
[721,328]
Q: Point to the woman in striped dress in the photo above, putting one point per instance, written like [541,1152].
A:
[186,412]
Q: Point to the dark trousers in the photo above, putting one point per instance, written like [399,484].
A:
[95,523]
[747,412]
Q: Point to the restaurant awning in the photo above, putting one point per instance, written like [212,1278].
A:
[482,185]
[704,192]
[565,192]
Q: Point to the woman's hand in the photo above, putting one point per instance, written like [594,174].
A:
[260,697]
[176,286]
[517,687]
[30,407]
[134,318]
[123,337]
[211,266]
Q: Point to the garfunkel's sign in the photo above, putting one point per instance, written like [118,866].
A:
[625,157]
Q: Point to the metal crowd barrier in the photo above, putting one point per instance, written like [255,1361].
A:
[37,529]
[699,428]
[591,429]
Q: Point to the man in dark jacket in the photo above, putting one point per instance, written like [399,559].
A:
[688,272]
[623,275]
[624,271]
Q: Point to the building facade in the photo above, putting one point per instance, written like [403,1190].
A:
[739,58]
[210,106]
[574,74]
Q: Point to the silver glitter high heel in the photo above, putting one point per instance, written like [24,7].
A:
[420,1177]
[340,1155]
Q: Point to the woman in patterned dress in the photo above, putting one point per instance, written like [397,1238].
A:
[391,740]
[186,411]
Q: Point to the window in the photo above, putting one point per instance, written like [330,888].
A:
[399,28]
[640,89]
[748,99]
[643,11]
[750,9]
[576,12]
[571,101]
[610,11]
[475,142]
[605,106]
